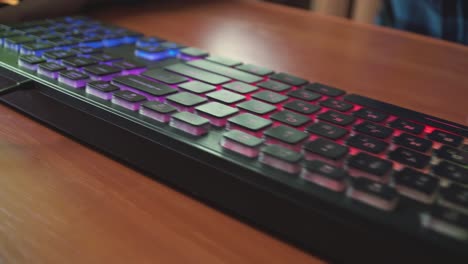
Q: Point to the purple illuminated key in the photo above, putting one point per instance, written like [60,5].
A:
[158,111]
[128,67]
[102,72]
[50,69]
[190,123]
[30,62]
[128,99]
[73,78]
[101,89]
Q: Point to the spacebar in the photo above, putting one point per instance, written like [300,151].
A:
[197,74]
[408,114]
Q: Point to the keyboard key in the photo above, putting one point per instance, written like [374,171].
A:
[336,118]
[253,69]
[274,86]
[281,158]
[73,78]
[445,138]
[30,62]
[248,123]
[453,155]
[290,118]
[58,54]
[86,50]
[197,87]
[413,142]
[373,193]
[374,130]
[288,79]
[304,95]
[185,102]
[301,107]
[36,48]
[101,89]
[240,87]
[409,157]
[325,175]
[148,41]
[326,150]
[416,185]
[129,67]
[285,136]
[270,97]
[15,42]
[128,99]
[370,115]
[451,172]
[225,71]
[102,72]
[223,61]
[225,97]
[78,62]
[455,197]
[256,107]
[50,69]
[367,143]
[338,105]
[371,167]
[158,111]
[197,74]
[324,89]
[326,130]
[193,52]
[217,113]
[190,123]
[446,221]
[152,88]
[242,143]
[164,76]
[407,126]
[105,57]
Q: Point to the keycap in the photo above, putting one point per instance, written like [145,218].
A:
[274,86]
[225,97]
[65,43]
[197,74]
[407,126]
[451,171]
[147,86]
[416,185]
[281,158]
[242,143]
[15,42]
[223,61]
[290,118]
[338,105]
[455,197]
[445,138]
[147,41]
[101,89]
[256,107]
[325,150]
[374,130]
[240,87]
[78,62]
[446,221]
[102,72]
[288,79]
[248,123]
[105,57]
[453,155]
[304,95]
[370,115]
[171,45]
[36,48]
[185,101]
[190,123]
[373,193]
[324,89]
[409,157]
[225,71]
[73,78]
[285,136]
[325,175]
[368,166]
[301,107]
[270,97]
[413,142]
[197,87]
[254,69]
[367,143]
[216,112]
[194,52]
[30,62]
[164,76]
[129,67]
[336,118]
[128,99]
[86,50]
[50,69]
[326,130]
[58,54]
[158,111]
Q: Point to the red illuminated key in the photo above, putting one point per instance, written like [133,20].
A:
[290,118]
[256,107]
[305,95]
[190,123]
[325,175]
[217,113]
[242,143]
[281,158]
[375,194]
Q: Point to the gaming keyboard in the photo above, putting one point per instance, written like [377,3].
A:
[340,175]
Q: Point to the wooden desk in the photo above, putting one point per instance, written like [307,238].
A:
[61,202]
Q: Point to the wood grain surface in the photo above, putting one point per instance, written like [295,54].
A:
[61,202]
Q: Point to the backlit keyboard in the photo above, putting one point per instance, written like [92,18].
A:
[342,175]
